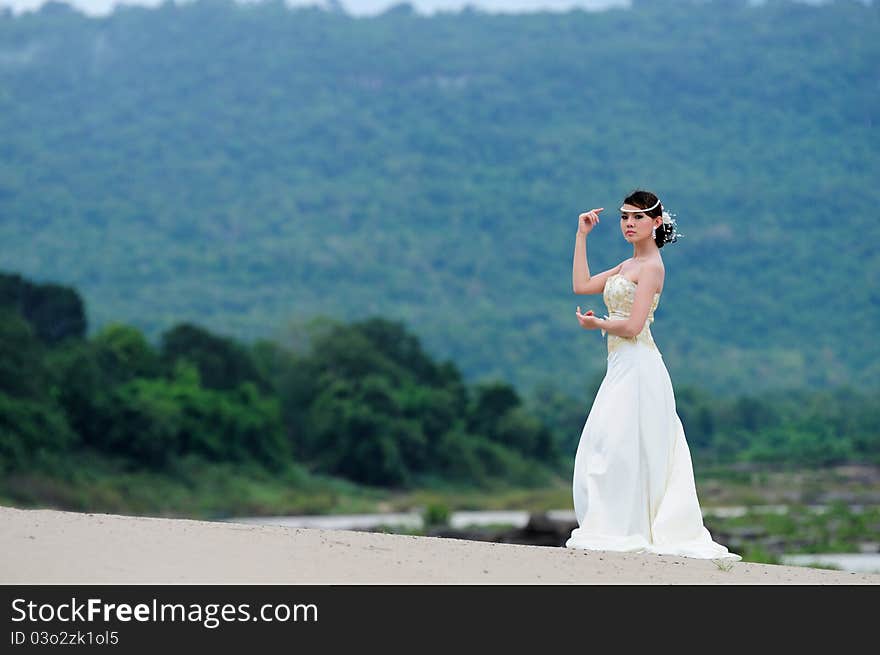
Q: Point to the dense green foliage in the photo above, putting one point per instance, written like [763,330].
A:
[242,166]
[364,402]
[361,402]
[54,311]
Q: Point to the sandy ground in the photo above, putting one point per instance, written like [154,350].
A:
[42,546]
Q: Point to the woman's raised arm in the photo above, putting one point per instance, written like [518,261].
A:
[581,280]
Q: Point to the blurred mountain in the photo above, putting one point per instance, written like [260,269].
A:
[246,167]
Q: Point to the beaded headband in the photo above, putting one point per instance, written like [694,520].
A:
[635,211]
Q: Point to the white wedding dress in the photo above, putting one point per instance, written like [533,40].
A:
[633,477]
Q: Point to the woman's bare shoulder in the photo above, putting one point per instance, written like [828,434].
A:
[637,267]
[653,269]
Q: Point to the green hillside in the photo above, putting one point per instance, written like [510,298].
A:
[205,422]
[248,167]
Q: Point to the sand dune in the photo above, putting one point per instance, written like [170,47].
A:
[44,546]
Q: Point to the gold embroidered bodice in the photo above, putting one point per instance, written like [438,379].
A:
[619,295]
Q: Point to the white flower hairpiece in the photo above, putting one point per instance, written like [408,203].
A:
[672,232]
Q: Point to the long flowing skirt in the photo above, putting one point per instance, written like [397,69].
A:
[633,476]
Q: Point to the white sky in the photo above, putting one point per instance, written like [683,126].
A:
[354,7]
[371,7]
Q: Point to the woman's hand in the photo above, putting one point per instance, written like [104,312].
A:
[588,321]
[588,220]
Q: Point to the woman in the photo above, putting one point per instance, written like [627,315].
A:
[633,478]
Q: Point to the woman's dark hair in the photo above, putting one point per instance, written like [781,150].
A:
[644,199]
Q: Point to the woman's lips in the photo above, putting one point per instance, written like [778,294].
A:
[630,232]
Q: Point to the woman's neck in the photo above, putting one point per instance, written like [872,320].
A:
[645,251]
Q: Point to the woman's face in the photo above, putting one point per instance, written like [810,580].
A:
[636,225]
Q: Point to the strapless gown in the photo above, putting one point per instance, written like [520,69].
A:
[633,476]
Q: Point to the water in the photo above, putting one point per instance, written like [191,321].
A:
[459,520]
[338,521]
[413,520]
[856,562]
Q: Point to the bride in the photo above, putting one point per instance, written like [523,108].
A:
[633,478]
